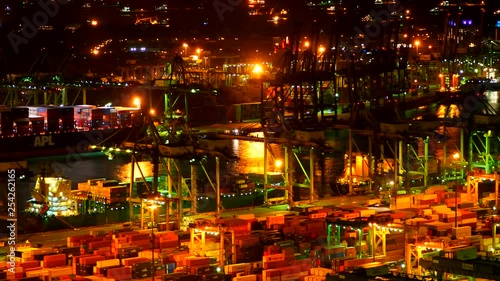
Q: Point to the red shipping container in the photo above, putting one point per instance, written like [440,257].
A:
[126,234]
[274,264]
[91,260]
[167,234]
[57,263]
[29,264]
[197,261]
[100,244]
[76,259]
[79,238]
[51,258]
[33,268]
[289,270]
[271,250]
[101,252]
[168,244]
[138,237]
[145,244]
[120,273]
[166,238]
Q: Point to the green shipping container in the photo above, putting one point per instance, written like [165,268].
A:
[466,254]
[286,243]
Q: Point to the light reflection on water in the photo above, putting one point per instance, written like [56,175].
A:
[123,172]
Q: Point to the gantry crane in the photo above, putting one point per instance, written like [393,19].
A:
[181,81]
[169,151]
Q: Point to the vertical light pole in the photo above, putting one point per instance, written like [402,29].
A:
[415,62]
[198,53]
[456,156]
[152,210]
[417,43]
[185,45]
[259,74]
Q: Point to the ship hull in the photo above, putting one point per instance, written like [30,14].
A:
[64,143]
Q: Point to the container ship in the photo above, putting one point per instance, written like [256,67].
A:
[34,131]
[53,205]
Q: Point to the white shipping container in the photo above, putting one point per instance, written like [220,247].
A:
[319,271]
[60,271]
[246,278]
[239,267]
[314,278]
[367,212]
[37,273]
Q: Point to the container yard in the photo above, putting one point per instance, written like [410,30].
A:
[417,236]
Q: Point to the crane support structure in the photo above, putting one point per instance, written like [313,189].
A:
[226,244]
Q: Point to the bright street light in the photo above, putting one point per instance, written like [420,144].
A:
[417,43]
[277,165]
[257,69]
[137,102]
[185,45]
